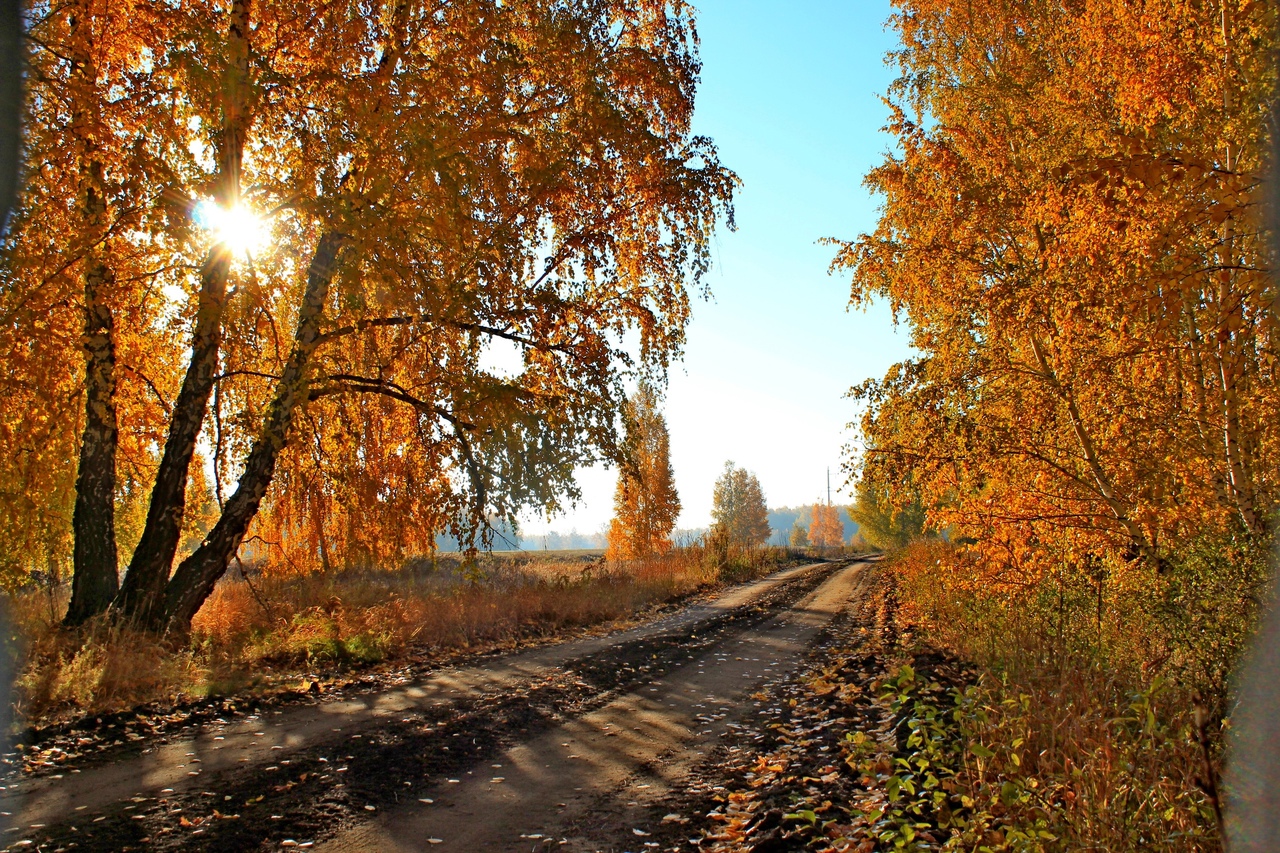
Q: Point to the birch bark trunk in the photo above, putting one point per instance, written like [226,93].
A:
[95,571]
[1106,489]
[196,576]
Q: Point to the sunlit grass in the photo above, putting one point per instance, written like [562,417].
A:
[1085,705]
[280,632]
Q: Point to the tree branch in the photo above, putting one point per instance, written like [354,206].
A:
[346,383]
[410,320]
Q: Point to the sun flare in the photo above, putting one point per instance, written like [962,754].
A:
[238,228]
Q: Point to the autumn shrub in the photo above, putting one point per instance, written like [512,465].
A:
[102,668]
[731,562]
[1083,721]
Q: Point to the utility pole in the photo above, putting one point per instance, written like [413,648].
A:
[828,485]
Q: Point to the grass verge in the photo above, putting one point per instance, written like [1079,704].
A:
[270,632]
[1096,717]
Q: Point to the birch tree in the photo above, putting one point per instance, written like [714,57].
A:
[1072,226]
[340,213]
[738,509]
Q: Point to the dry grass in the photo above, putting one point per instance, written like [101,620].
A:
[1085,712]
[270,631]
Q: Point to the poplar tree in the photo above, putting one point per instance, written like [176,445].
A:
[645,502]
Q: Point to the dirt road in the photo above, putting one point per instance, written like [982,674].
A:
[571,746]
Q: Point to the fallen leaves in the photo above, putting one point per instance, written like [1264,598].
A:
[793,775]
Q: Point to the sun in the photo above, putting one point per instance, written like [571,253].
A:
[237,228]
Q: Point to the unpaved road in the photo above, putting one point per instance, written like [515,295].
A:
[570,746]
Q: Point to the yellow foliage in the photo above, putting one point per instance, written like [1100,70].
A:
[1071,226]
[826,529]
[645,502]
[428,333]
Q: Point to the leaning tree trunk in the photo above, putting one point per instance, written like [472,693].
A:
[94,579]
[143,590]
[142,594]
[1105,487]
[196,576]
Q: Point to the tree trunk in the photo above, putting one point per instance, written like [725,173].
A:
[1200,387]
[142,595]
[143,590]
[95,577]
[196,576]
[1106,489]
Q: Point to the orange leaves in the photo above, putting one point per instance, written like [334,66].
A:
[504,174]
[1075,238]
[762,766]
[646,502]
[826,530]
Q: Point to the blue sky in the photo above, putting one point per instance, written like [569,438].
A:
[790,93]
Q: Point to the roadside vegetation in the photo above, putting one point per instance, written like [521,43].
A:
[1079,247]
[936,716]
[276,631]
[1095,714]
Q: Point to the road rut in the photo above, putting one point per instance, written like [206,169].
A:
[635,707]
[588,784]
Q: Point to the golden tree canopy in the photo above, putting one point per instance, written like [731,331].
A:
[738,509]
[645,502]
[826,530]
[381,262]
[1072,226]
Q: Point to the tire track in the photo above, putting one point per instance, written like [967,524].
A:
[589,784]
[304,773]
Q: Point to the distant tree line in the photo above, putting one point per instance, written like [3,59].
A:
[784,520]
